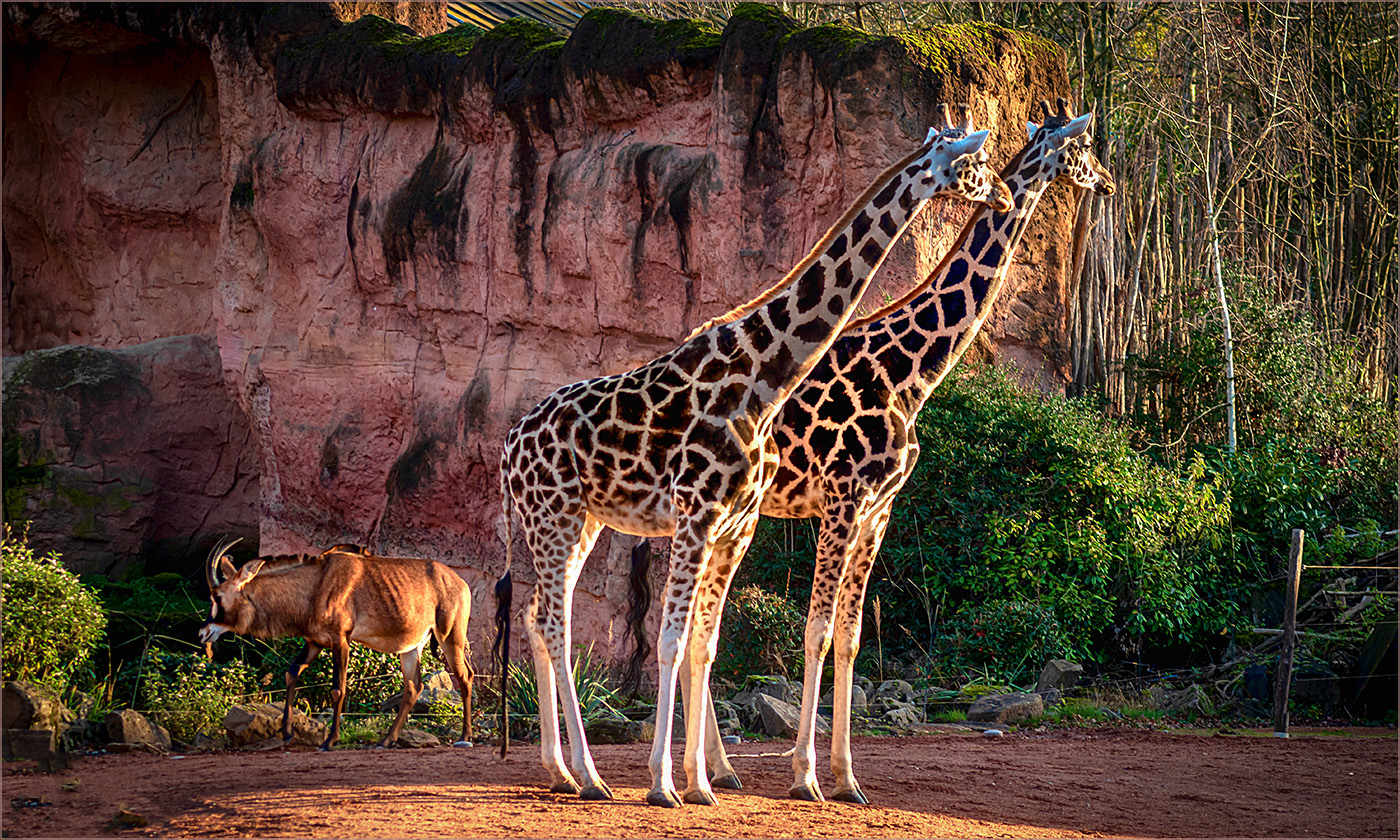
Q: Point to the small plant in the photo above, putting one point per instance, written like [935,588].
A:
[188,694]
[596,696]
[51,621]
[358,729]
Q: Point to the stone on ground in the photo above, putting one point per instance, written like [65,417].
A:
[417,739]
[1006,708]
[129,726]
[259,726]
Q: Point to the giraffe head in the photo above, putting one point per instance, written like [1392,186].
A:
[1064,144]
[956,162]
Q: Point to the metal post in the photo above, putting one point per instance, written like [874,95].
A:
[1290,633]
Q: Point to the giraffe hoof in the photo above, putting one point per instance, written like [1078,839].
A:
[595,793]
[566,786]
[807,793]
[727,782]
[663,799]
[854,796]
[700,797]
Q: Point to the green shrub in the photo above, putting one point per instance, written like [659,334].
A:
[761,633]
[1030,499]
[51,621]
[1011,638]
[188,694]
[596,696]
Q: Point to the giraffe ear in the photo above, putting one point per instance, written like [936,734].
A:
[1031,129]
[971,143]
[1079,125]
[932,133]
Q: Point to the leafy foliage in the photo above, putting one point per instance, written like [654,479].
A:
[596,696]
[51,621]
[188,694]
[1034,506]
[761,633]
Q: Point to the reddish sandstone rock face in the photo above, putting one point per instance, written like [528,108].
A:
[400,246]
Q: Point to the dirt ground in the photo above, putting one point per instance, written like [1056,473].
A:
[1109,782]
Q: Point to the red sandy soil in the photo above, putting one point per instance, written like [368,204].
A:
[1074,783]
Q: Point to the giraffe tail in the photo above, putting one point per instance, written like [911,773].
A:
[636,615]
[500,649]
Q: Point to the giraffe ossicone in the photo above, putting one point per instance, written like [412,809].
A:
[680,446]
[845,441]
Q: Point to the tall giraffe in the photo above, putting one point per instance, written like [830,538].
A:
[846,437]
[677,446]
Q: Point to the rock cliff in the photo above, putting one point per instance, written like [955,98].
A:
[398,244]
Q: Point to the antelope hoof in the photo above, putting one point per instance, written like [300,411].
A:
[853,796]
[728,781]
[566,786]
[807,793]
[663,799]
[700,797]
[596,793]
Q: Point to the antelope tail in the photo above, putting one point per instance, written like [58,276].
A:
[500,650]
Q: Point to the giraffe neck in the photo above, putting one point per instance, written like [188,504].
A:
[787,330]
[928,330]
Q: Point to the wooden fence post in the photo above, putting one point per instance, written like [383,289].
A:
[1290,633]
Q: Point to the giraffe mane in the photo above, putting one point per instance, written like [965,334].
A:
[978,210]
[817,250]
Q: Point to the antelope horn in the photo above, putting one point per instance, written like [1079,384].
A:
[211,566]
[1065,112]
[965,117]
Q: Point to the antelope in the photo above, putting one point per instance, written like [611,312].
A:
[345,594]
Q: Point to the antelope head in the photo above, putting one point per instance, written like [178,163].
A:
[229,608]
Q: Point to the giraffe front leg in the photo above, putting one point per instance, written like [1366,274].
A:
[723,561]
[833,555]
[594,788]
[721,772]
[688,553]
[551,751]
[850,604]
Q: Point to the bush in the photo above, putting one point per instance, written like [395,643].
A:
[1011,638]
[1028,499]
[761,633]
[51,621]
[188,694]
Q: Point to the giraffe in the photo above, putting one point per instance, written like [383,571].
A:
[676,447]
[845,438]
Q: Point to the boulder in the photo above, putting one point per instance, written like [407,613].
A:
[1059,676]
[35,745]
[859,702]
[618,730]
[903,717]
[1192,698]
[259,725]
[417,739]
[129,726]
[894,690]
[27,706]
[437,688]
[780,719]
[1006,708]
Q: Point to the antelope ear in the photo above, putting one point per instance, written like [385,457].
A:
[970,144]
[1079,125]
[226,569]
[249,570]
[1031,129]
